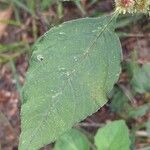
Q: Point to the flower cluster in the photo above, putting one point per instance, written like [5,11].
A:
[132,6]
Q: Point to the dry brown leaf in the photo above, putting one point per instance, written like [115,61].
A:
[4,16]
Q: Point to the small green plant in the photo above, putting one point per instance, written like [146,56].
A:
[105,138]
[114,136]
[72,70]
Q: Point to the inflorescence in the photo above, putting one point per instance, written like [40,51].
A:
[132,6]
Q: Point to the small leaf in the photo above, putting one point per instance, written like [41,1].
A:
[148,127]
[141,79]
[73,140]
[72,69]
[138,112]
[119,101]
[114,136]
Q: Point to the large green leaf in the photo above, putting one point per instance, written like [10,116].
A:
[114,136]
[73,140]
[72,69]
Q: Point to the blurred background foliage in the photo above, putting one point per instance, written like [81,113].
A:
[23,21]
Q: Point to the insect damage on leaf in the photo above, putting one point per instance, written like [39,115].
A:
[40,57]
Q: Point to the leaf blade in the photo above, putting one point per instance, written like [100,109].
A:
[74,139]
[67,82]
[108,137]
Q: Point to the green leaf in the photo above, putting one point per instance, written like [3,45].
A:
[148,127]
[114,136]
[138,112]
[140,81]
[73,140]
[73,68]
[119,102]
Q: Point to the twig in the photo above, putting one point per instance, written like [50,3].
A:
[16,77]
[145,147]
[40,17]
[142,133]
[96,125]
[5,120]
[128,94]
